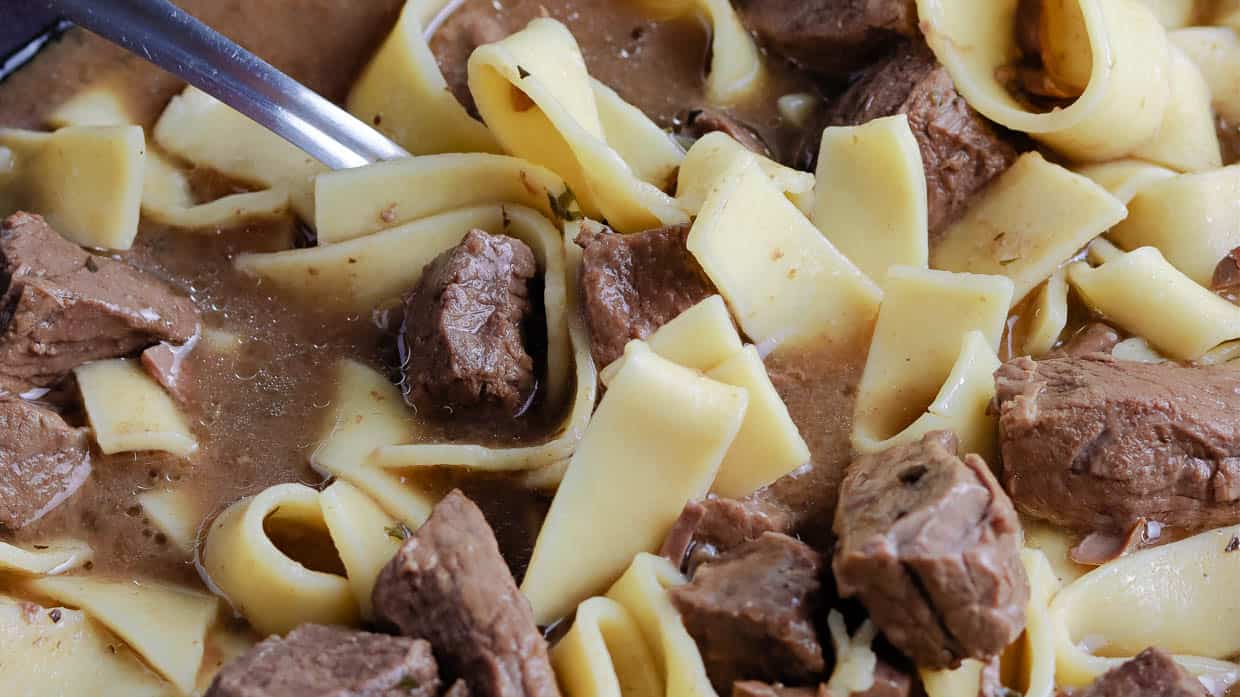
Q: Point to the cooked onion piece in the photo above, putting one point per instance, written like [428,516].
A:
[656,442]
[533,91]
[965,681]
[1125,178]
[1175,596]
[1216,52]
[784,281]
[130,412]
[166,625]
[1121,107]
[363,535]
[1192,219]
[855,659]
[870,198]
[176,513]
[604,654]
[930,359]
[1187,140]
[51,558]
[710,158]
[1145,295]
[86,180]
[1050,315]
[270,589]
[1012,231]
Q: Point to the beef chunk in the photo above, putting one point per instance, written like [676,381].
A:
[468,27]
[711,527]
[752,612]
[634,284]
[831,37]
[696,123]
[1095,337]
[931,546]
[320,661]
[42,461]
[449,585]
[960,150]
[755,688]
[1093,443]
[63,306]
[1226,280]
[1151,674]
[462,334]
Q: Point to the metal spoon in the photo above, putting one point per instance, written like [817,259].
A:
[170,38]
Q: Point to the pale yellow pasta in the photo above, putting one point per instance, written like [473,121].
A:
[699,338]
[855,659]
[1138,350]
[356,202]
[1142,293]
[86,180]
[201,129]
[709,159]
[49,558]
[605,655]
[784,281]
[1176,596]
[404,95]
[533,91]
[1121,107]
[166,625]
[41,657]
[922,327]
[656,441]
[639,141]
[1101,250]
[274,592]
[870,199]
[175,512]
[1173,13]
[1038,662]
[360,530]
[1192,219]
[1055,544]
[965,681]
[223,645]
[1186,141]
[129,411]
[1049,316]
[1124,178]
[1216,52]
[1027,223]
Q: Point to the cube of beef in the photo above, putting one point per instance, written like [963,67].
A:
[320,661]
[711,527]
[62,306]
[462,336]
[634,284]
[831,37]
[1097,444]
[449,585]
[1152,673]
[42,461]
[961,151]
[696,123]
[752,612]
[1095,337]
[931,546]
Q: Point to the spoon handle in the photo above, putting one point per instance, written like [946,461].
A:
[169,37]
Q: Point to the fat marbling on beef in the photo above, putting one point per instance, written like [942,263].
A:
[931,546]
[1097,444]
[833,37]
[63,306]
[315,660]
[462,335]
[449,585]
[42,461]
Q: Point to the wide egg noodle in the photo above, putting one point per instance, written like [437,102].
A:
[49,558]
[1181,319]
[1173,13]
[1176,596]
[931,358]
[271,590]
[1011,231]
[655,443]
[1037,667]
[604,654]
[364,535]
[699,338]
[710,157]
[130,412]
[1192,219]
[1216,52]
[870,198]
[223,645]
[1121,107]
[86,180]
[533,91]
[402,91]
[1048,315]
[1187,140]
[166,625]
[1125,178]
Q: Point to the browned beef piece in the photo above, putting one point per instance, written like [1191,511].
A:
[462,335]
[634,284]
[931,546]
[320,661]
[711,527]
[960,150]
[459,689]
[1152,673]
[42,461]
[1226,280]
[831,37]
[449,585]
[1095,337]
[696,123]
[62,306]
[752,612]
[468,27]
[757,688]
[1097,444]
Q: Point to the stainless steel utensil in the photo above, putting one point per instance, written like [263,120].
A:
[169,37]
